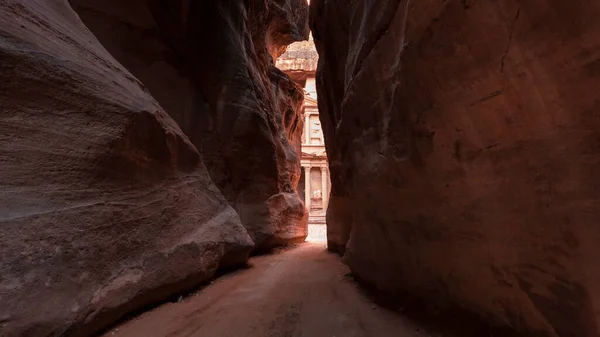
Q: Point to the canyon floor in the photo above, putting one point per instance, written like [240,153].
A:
[302,291]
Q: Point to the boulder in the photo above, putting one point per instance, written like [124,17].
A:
[464,145]
[105,204]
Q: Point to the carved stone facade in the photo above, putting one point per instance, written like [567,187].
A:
[299,62]
[314,158]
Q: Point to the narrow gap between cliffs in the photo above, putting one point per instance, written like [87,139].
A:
[300,63]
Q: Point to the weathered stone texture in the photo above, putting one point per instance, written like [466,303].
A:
[105,206]
[300,57]
[209,64]
[463,139]
[105,203]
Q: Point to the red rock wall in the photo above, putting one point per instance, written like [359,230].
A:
[106,205]
[463,139]
[209,66]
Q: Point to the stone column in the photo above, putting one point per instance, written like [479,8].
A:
[307,128]
[307,193]
[324,187]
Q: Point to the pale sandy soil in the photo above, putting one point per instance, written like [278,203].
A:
[301,292]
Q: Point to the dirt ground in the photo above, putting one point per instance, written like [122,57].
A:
[304,291]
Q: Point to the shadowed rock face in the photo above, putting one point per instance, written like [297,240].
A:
[209,64]
[105,203]
[463,139]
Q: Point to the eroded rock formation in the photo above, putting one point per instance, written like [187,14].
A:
[209,64]
[106,205]
[463,143]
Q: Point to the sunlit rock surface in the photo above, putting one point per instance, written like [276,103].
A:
[300,56]
[463,139]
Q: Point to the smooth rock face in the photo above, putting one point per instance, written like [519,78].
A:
[105,205]
[463,139]
[209,64]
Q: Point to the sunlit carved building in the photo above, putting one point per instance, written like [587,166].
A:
[300,63]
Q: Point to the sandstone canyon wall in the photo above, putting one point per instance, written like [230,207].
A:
[209,64]
[106,205]
[464,144]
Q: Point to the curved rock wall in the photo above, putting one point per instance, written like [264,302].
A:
[209,64]
[463,139]
[106,205]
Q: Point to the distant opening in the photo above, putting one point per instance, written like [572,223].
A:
[300,63]
[315,170]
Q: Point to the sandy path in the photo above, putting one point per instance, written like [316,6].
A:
[302,292]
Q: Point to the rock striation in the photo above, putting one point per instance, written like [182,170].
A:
[133,173]
[463,141]
[210,65]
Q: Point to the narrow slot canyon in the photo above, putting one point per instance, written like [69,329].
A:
[299,62]
[294,168]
